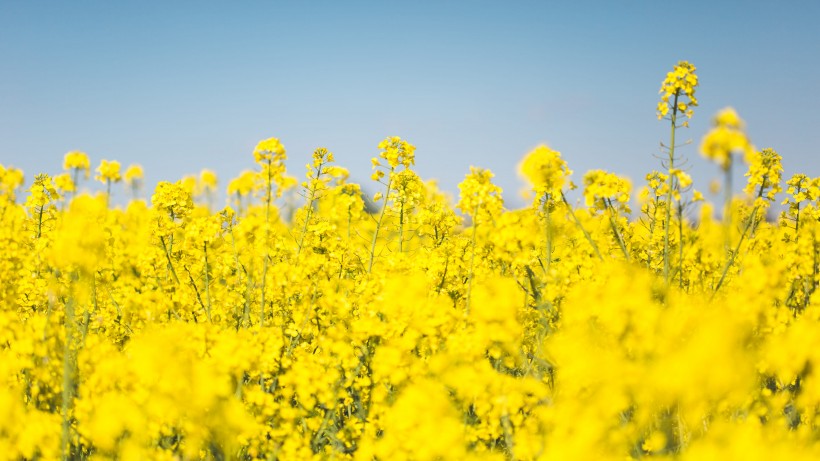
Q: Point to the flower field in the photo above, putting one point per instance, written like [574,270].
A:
[411,325]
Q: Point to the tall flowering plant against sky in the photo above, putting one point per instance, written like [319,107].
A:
[481,200]
[677,100]
[722,143]
[394,152]
[548,174]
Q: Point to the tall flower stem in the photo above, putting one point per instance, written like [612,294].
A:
[727,203]
[613,224]
[581,226]
[680,245]
[472,260]
[68,380]
[309,211]
[379,223]
[733,255]
[207,280]
[266,262]
[669,193]
[547,233]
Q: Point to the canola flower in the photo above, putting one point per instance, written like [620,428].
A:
[677,100]
[430,328]
[726,139]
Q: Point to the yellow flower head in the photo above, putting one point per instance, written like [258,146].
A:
[321,156]
[545,170]
[172,199]
[133,175]
[10,179]
[765,172]
[42,192]
[678,91]
[64,182]
[729,118]
[477,193]
[268,150]
[396,152]
[726,138]
[76,160]
[208,178]
[658,183]
[604,190]
[243,184]
[108,171]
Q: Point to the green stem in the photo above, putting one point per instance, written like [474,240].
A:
[733,255]
[268,195]
[349,221]
[472,260]
[75,179]
[680,245]
[305,227]
[581,226]
[379,223]
[87,315]
[401,227]
[168,258]
[207,281]
[238,267]
[40,222]
[196,291]
[309,210]
[268,200]
[68,380]
[614,226]
[652,223]
[264,284]
[508,434]
[246,314]
[669,195]
[547,232]
[727,203]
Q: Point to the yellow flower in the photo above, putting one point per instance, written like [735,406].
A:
[207,179]
[172,199]
[678,91]
[604,190]
[478,194]
[396,152]
[64,182]
[268,149]
[133,175]
[725,139]
[76,160]
[243,184]
[108,171]
[765,172]
[10,179]
[545,170]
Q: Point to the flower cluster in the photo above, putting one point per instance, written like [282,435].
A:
[546,171]
[604,190]
[108,171]
[727,138]
[678,91]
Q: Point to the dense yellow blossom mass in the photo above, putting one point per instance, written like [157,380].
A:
[410,325]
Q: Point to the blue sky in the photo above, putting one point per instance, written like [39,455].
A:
[181,86]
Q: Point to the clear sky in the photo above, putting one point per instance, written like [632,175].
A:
[181,86]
